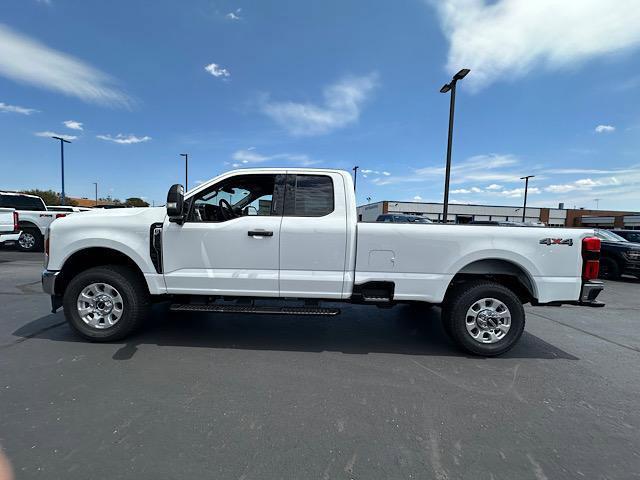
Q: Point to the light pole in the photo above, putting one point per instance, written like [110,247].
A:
[597,200]
[95,184]
[186,170]
[451,86]
[526,189]
[355,176]
[62,142]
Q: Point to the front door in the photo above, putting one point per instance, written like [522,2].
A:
[229,242]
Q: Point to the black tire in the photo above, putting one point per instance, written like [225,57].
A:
[609,269]
[135,299]
[460,300]
[31,240]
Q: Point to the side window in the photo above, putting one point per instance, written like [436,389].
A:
[238,196]
[308,196]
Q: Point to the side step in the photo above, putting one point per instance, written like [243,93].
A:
[267,310]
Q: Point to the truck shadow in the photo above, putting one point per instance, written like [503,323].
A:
[358,330]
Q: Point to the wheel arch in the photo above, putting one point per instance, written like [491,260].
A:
[505,272]
[90,257]
[27,224]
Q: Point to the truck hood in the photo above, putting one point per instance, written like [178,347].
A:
[136,218]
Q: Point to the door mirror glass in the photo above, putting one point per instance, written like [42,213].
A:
[175,203]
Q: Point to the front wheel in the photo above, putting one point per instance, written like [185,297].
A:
[609,269]
[106,303]
[483,317]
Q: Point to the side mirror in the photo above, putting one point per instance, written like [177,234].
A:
[175,203]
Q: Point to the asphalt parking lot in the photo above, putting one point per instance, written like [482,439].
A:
[369,394]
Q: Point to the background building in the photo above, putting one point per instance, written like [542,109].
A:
[458,213]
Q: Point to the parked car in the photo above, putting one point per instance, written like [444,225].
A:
[618,255]
[402,218]
[631,235]
[67,209]
[9,226]
[109,207]
[496,223]
[34,218]
[292,233]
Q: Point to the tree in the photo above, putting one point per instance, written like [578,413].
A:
[135,202]
[49,197]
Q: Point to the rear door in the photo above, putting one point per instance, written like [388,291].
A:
[313,236]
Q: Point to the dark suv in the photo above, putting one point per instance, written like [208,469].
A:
[631,235]
[618,255]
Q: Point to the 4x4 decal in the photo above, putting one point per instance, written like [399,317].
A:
[557,241]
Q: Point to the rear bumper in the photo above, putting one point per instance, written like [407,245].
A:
[9,237]
[589,293]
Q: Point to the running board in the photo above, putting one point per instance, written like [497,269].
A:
[266,310]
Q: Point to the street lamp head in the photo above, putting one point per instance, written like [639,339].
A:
[184,154]
[445,88]
[61,139]
[528,176]
[461,74]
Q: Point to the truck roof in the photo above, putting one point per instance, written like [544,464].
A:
[8,192]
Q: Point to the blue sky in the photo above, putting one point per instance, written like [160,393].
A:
[553,91]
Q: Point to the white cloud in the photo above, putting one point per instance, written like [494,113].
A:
[235,15]
[217,71]
[494,186]
[586,184]
[605,129]
[479,168]
[6,108]
[124,139]
[73,125]
[50,134]
[26,60]
[386,174]
[245,157]
[459,191]
[343,103]
[508,38]
[417,198]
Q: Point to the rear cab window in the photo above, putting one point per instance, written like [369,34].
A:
[22,202]
[308,196]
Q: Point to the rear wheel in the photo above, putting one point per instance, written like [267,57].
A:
[609,269]
[30,240]
[106,303]
[483,317]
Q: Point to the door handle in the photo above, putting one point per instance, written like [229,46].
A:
[260,233]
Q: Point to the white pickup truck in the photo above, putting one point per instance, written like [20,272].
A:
[9,229]
[34,218]
[292,234]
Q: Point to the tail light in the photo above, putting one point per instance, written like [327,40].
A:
[60,215]
[590,258]
[15,221]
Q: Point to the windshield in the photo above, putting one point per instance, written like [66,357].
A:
[609,236]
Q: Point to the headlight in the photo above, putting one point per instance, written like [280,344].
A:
[47,238]
[633,255]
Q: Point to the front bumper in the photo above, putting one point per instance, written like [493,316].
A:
[589,293]
[49,278]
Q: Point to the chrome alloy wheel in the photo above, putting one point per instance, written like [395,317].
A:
[100,305]
[27,240]
[488,320]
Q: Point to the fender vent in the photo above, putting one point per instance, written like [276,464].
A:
[155,246]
